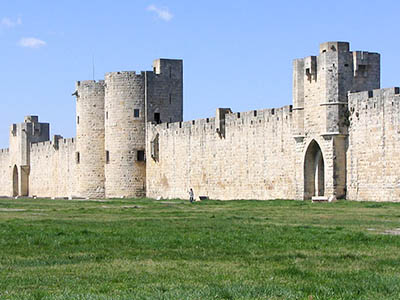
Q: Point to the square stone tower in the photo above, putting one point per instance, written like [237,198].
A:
[164,91]
[22,135]
[320,88]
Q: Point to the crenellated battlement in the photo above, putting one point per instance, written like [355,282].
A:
[89,83]
[365,103]
[334,47]
[254,118]
[377,93]
[47,145]
[125,75]
[6,150]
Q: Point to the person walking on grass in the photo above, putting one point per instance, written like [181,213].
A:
[191,195]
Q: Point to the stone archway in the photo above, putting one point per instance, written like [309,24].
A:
[314,172]
[15,181]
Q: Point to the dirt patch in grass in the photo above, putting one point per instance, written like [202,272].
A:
[12,209]
[392,231]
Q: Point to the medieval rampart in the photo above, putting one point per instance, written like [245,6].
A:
[5,172]
[252,158]
[373,154]
[53,168]
[341,139]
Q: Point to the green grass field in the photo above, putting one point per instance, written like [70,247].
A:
[148,249]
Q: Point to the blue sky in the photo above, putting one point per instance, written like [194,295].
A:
[236,54]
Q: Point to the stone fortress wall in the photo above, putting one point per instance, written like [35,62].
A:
[316,149]
[110,139]
[252,157]
[5,172]
[53,168]
[373,154]
[339,139]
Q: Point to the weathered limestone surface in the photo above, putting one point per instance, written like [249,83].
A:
[373,155]
[320,87]
[124,134]
[90,139]
[253,161]
[53,169]
[5,173]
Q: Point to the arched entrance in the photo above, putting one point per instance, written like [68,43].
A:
[314,172]
[15,181]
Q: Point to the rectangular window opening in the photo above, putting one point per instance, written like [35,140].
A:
[141,155]
[362,70]
[157,118]
[136,113]
[77,157]
[107,157]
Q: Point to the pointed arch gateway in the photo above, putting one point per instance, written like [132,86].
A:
[15,181]
[314,171]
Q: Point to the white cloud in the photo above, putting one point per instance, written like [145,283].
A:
[31,42]
[8,22]
[162,13]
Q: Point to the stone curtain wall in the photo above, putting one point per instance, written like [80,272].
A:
[53,169]
[255,160]
[5,173]
[373,154]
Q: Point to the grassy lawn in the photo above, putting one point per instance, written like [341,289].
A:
[148,249]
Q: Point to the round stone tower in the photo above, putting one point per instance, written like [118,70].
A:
[125,168]
[90,154]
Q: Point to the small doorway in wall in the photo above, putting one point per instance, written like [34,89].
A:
[314,172]
[15,181]
[157,118]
